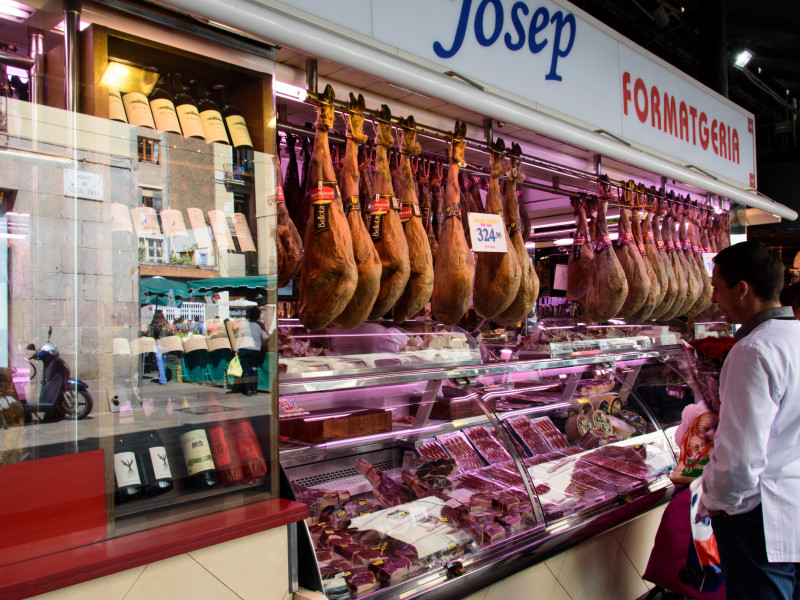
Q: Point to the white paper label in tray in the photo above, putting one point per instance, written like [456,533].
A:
[487,232]
[417,523]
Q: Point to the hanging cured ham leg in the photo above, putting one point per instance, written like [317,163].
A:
[420,280]
[608,286]
[655,248]
[290,246]
[529,282]
[437,202]
[454,268]
[694,254]
[579,267]
[654,296]
[368,263]
[385,227]
[328,276]
[631,261]
[497,274]
[681,276]
[425,204]
[693,283]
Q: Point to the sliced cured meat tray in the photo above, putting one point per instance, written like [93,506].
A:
[620,466]
[432,449]
[475,483]
[551,433]
[488,447]
[623,484]
[530,437]
[459,447]
[500,475]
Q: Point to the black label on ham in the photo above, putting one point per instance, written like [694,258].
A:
[426,215]
[351,204]
[376,227]
[453,210]
[321,218]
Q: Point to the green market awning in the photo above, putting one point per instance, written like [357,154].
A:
[256,285]
[157,291]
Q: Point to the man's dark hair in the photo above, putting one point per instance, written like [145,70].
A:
[753,262]
[254,313]
[790,295]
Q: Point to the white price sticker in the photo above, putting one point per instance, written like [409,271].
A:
[488,232]
[708,261]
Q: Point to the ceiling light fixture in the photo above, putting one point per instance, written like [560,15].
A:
[15,10]
[287,90]
[744,57]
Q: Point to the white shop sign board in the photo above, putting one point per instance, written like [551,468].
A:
[563,61]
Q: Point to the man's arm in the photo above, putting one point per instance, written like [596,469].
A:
[749,407]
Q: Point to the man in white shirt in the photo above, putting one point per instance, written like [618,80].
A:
[751,485]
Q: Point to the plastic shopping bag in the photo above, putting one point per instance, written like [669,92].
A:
[667,565]
[235,367]
[702,561]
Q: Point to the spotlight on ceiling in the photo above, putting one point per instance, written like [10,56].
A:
[743,58]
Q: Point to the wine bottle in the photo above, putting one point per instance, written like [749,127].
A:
[116,110]
[126,472]
[210,116]
[164,115]
[137,108]
[198,459]
[234,119]
[226,458]
[153,464]
[188,115]
[249,449]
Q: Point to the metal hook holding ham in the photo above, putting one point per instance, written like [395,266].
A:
[420,280]
[385,226]
[497,274]
[454,268]
[328,276]
[368,263]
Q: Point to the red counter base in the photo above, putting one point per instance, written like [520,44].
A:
[68,567]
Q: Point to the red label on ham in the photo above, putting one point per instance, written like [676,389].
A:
[324,194]
[627,238]
[661,246]
[649,237]
[281,197]
[671,246]
[381,205]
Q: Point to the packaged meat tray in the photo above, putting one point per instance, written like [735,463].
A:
[554,437]
[432,449]
[472,482]
[488,447]
[459,447]
[530,437]
[500,475]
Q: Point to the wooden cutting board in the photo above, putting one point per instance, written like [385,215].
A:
[343,422]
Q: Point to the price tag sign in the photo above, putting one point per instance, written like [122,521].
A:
[708,261]
[488,232]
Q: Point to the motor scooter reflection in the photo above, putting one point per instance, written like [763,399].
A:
[60,397]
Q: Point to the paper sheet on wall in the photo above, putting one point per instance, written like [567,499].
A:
[243,233]
[199,229]
[219,225]
[145,220]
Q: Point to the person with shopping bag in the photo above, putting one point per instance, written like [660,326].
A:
[751,484]
[250,341]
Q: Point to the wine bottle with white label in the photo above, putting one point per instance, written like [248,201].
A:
[116,109]
[188,115]
[153,463]
[234,119]
[163,108]
[210,115]
[126,472]
[197,457]
[137,108]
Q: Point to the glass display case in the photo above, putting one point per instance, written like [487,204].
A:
[435,480]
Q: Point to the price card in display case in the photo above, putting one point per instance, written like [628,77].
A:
[488,232]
